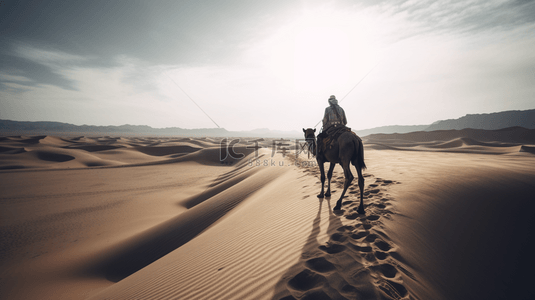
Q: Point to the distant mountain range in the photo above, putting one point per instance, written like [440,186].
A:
[8,127]
[492,121]
[514,135]
[392,129]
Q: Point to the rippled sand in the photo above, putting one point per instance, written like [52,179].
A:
[447,217]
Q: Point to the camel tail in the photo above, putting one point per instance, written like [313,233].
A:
[358,158]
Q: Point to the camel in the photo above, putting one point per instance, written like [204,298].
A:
[346,149]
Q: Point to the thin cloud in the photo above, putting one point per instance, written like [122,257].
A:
[49,57]
[13,78]
[465,16]
[40,66]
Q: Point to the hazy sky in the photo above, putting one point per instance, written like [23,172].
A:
[263,64]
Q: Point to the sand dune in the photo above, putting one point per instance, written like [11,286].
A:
[154,243]
[448,216]
[166,150]
[505,141]
[517,135]
[529,149]
[22,152]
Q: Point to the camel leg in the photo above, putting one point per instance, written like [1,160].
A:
[322,177]
[329,176]
[348,178]
[360,210]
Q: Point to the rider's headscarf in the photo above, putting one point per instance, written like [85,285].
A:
[333,101]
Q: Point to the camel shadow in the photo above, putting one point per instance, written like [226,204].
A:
[305,279]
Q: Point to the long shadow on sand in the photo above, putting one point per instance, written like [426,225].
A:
[358,262]
[321,270]
[298,279]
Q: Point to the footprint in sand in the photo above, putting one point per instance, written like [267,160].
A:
[377,271]
[388,270]
[359,235]
[320,264]
[361,247]
[338,237]
[346,228]
[373,218]
[332,248]
[382,245]
[306,280]
[371,237]
[380,255]
[352,216]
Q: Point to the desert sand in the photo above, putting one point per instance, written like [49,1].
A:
[449,215]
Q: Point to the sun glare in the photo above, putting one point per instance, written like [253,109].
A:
[322,49]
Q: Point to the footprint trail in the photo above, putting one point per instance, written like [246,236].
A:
[359,261]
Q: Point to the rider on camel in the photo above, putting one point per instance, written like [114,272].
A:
[333,120]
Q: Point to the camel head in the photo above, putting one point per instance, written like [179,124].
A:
[309,132]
